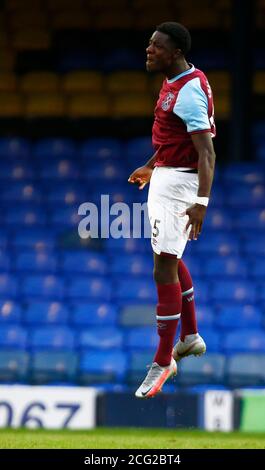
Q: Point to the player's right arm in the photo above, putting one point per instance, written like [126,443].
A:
[142,175]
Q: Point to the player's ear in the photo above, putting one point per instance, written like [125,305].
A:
[177,53]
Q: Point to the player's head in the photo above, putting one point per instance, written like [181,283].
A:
[169,43]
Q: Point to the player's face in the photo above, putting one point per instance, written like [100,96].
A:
[161,54]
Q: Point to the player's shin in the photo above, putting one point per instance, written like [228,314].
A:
[168,314]
[188,316]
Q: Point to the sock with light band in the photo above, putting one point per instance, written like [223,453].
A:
[168,314]
[188,313]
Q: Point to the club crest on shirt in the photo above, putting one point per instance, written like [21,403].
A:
[167,101]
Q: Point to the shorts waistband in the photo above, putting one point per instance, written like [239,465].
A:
[194,170]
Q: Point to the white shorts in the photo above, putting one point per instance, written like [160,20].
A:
[171,192]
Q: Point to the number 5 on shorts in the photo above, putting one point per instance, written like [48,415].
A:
[156,229]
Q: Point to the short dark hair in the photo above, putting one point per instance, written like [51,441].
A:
[177,33]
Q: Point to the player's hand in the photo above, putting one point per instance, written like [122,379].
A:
[196,215]
[141,176]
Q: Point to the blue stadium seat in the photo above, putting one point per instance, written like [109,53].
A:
[234,291]
[84,262]
[225,267]
[193,263]
[49,367]
[217,199]
[138,315]
[141,338]
[246,197]
[62,169]
[211,337]
[245,340]
[258,269]
[46,313]
[138,152]
[14,148]
[21,191]
[97,188]
[245,369]
[121,184]
[218,220]
[8,286]
[132,265]
[2,218]
[27,217]
[94,314]
[52,338]
[250,220]
[3,239]
[13,337]
[105,171]
[93,289]
[139,362]
[204,370]
[97,366]
[134,290]
[54,147]
[43,286]
[36,261]
[246,173]
[10,312]
[101,149]
[205,316]
[65,217]
[4,261]
[118,193]
[34,238]
[128,245]
[261,291]
[16,171]
[139,148]
[100,338]
[253,245]
[13,365]
[66,193]
[238,316]
[220,243]
[201,291]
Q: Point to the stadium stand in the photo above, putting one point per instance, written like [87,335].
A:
[82,311]
[83,301]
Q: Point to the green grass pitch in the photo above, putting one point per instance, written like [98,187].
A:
[128,438]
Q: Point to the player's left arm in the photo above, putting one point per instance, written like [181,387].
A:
[192,106]
[202,142]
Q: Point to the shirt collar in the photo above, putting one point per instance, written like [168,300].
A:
[180,75]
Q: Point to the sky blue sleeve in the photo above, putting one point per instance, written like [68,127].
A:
[192,106]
